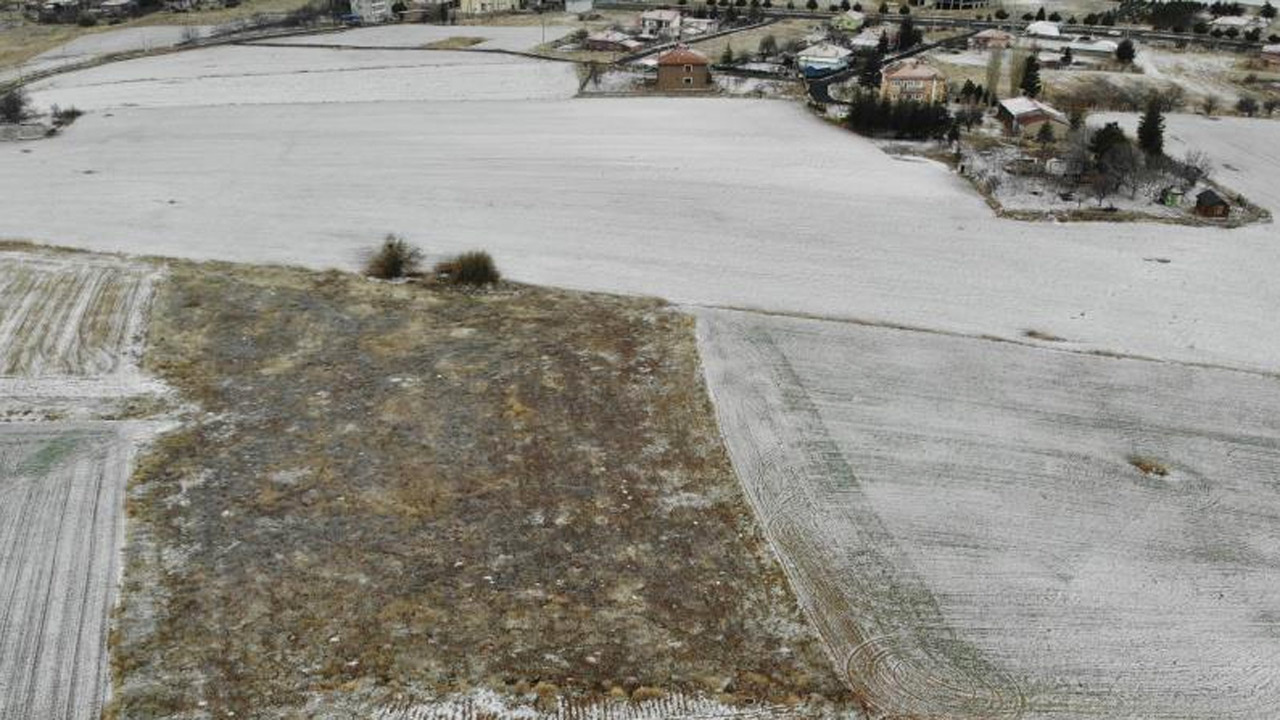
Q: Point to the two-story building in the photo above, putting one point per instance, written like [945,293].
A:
[913,79]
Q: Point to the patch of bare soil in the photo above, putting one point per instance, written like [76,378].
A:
[396,493]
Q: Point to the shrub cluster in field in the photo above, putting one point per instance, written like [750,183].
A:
[396,258]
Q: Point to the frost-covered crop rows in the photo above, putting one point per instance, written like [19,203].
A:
[963,521]
[61,526]
[70,316]
[70,332]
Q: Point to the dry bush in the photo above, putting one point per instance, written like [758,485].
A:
[474,268]
[395,259]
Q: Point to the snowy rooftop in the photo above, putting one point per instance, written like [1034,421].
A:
[1044,28]
[825,50]
[1020,106]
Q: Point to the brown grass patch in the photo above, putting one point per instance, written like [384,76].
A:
[1149,466]
[515,489]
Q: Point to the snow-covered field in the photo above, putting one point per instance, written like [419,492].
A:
[703,201]
[248,75]
[61,527]
[71,326]
[76,316]
[497,37]
[961,519]
[108,42]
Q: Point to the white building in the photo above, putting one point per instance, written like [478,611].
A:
[371,11]
[823,57]
[660,23]
[482,7]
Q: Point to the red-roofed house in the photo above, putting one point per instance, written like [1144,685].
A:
[682,69]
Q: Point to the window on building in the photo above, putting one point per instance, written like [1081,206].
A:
[688,81]
[688,68]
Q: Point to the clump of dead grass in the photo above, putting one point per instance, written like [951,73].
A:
[1149,466]
[1042,335]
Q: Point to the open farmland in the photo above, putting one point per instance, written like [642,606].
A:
[494,37]
[964,521]
[249,75]
[70,336]
[70,315]
[702,201]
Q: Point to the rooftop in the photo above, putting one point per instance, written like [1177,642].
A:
[682,56]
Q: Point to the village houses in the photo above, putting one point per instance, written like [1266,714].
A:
[1023,116]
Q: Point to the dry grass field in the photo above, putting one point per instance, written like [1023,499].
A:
[396,494]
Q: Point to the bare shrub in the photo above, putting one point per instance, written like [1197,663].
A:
[474,268]
[395,259]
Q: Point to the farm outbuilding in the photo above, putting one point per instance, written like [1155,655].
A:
[1210,204]
[1023,116]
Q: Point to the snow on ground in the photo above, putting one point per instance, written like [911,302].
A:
[497,37]
[268,75]
[1198,73]
[961,520]
[705,201]
[486,705]
[61,528]
[70,330]
[88,47]
[1244,151]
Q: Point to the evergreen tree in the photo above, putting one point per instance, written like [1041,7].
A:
[907,34]
[1125,52]
[1040,13]
[1105,138]
[870,75]
[1044,135]
[1030,84]
[1151,129]
[726,57]
[1268,11]
[882,43]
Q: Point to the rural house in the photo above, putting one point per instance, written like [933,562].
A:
[868,40]
[823,58]
[913,79]
[482,7]
[682,69]
[660,24]
[849,21]
[1023,116]
[371,11]
[1210,204]
[692,27]
[991,39]
[611,41]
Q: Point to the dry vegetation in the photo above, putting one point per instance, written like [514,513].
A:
[397,492]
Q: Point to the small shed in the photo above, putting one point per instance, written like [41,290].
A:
[682,69]
[1210,204]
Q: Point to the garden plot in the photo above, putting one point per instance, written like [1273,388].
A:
[61,526]
[495,37]
[704,201]
[71,325]
[964,523]
[248,75]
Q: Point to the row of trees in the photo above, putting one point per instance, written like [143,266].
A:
[870,114]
